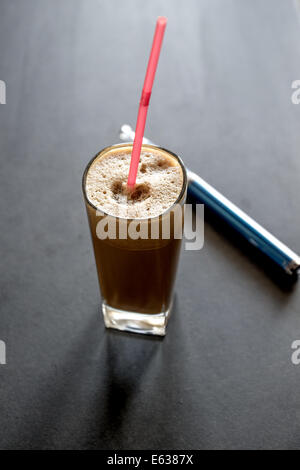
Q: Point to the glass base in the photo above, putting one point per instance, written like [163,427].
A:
[147,324]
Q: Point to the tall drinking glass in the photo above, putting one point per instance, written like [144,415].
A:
[136,275]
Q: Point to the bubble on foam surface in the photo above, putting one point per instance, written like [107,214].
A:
[158,184]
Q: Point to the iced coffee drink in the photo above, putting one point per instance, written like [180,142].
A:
[136,251]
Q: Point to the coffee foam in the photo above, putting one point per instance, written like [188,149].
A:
[158,184]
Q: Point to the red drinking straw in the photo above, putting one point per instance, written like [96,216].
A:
[145,98]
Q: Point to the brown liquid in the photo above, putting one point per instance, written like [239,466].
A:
[137,275]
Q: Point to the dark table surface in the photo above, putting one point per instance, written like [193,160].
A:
[223,376]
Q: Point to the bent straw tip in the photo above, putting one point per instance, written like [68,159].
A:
[162,20]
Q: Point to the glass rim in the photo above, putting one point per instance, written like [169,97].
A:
[130,144]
